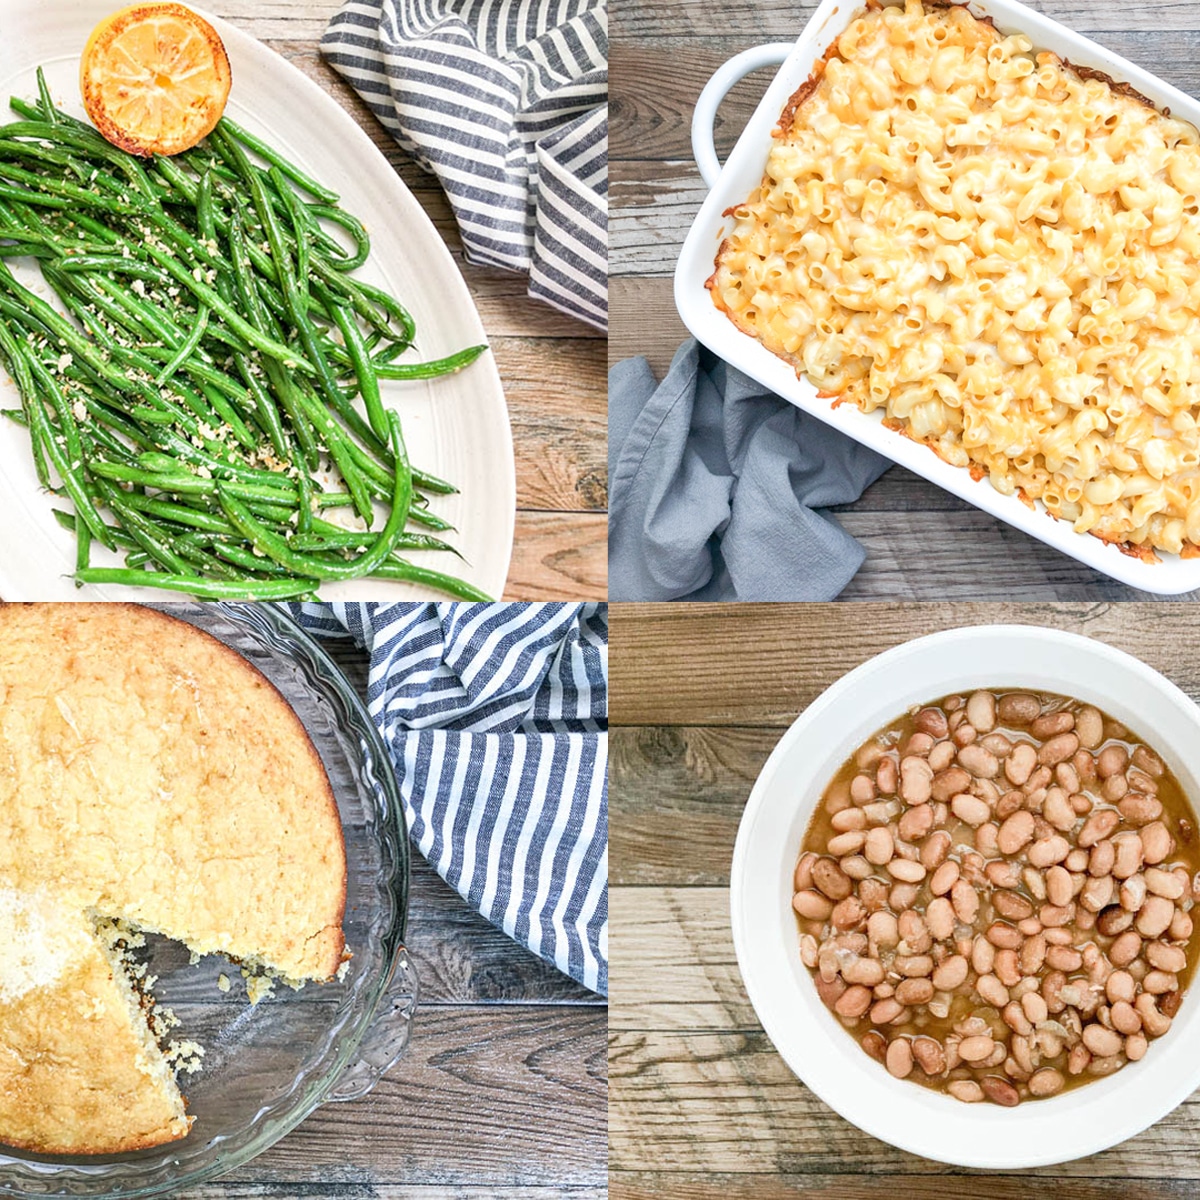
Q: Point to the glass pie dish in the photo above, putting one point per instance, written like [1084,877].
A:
[267,1068]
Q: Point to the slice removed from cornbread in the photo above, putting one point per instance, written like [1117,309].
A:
[148,773]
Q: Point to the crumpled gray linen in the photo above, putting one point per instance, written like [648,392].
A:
[715,485]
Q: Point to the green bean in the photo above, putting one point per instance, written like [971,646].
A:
[277,548]
[407,572]
[429,370]
[364,369]
[202,589]
[272,156]
[187,349]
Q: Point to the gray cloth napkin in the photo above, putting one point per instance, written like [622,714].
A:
[714,482]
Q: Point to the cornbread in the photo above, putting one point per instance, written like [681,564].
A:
[148,774]
[997,252]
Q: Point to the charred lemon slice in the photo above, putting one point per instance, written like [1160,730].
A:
[155,78]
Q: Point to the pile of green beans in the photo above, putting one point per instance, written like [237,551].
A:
[199,405]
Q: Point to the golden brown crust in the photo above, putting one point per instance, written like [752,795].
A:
[154,774]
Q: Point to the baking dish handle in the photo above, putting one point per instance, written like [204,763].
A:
[387,1037]
[725,76]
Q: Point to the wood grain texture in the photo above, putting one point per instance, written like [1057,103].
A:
[700,1104]
[501,1092]
[663,55]
[760,665]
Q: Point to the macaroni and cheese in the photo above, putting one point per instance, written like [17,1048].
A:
[998,251]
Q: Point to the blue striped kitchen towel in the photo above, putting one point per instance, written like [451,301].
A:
[496,717]
[506,101]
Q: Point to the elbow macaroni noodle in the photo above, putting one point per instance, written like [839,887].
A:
[1002,255]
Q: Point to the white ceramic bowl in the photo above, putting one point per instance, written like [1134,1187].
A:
[811,1040]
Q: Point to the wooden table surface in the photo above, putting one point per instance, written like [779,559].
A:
[921,542]
[502,1091]
[701,1106]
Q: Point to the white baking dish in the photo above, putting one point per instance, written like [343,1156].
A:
[810,1039]
[743,172]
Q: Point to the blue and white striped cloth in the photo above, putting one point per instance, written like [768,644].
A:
[496,716]
[506,101]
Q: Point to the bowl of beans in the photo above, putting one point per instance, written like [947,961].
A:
[962,896]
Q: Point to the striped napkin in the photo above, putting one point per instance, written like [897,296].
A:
[496,717]
[506,102]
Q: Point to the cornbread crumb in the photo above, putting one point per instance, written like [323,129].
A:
[222,983]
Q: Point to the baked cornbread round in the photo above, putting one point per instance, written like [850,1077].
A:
[148,774]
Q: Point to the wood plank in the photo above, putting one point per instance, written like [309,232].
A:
[558,403]
[665,779]
[726,1104]
[673,963]
[226,1190]
[485,1098]
[644,321]
[855,1185]
[761,664]
[559,556]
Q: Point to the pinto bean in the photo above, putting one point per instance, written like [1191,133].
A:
[1089,725]
[915,823]
[1058,749]
[933,722]
[929,1055]
[1099,825]
[965,900]
[950,973]
[981,711]
[1146,760]
[1154,1022]
[914,991]
[948,783]
[1129,855]
[1048,850]
[1166,957]
[887,776]
[970,809]
[899,1058]
[1125,948]
[812,905]
[939,917]
[1163,883]
[980,762]
[1011,905]
[1060,887]
[916,780]
[1018,708]
[1015,833]
[1000,1091]
[1157,843]
[1020,764]
[831,879]
[906,870]
[1139,809]
[1096,893]
[966,1090]
[934,849]
[1154,918]
[887,1010]
[1112,760]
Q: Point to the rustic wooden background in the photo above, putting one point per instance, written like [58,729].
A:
[552,366]
[921,543]
[502,1091]
[700,1105]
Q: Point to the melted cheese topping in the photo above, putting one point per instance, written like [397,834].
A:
[1001,255]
